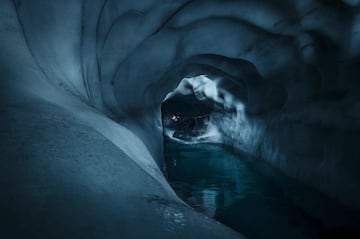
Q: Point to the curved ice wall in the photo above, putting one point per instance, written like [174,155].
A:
[82,83]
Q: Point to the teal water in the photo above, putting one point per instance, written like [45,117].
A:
[252,197]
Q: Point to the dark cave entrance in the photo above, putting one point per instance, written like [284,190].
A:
[186,110]
[185,118]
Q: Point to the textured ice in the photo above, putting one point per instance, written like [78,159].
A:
[80,93]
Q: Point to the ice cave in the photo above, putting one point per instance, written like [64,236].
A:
[182,119]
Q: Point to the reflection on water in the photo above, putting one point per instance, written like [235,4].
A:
[252,197]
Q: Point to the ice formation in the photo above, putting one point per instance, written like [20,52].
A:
[81,86]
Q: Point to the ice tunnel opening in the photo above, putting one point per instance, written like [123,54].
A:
[186,110]
[208,142]
[190,113]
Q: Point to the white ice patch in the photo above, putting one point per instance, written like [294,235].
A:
[204,88]
[236,130]
[201,87]
[211,135]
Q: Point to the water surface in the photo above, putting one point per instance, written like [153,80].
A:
[252,197]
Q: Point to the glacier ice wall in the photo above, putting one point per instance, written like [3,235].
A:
[80,92]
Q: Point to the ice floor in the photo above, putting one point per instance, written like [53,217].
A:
[253,198]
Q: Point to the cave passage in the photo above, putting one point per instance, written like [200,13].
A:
[81,131]
[242,191]
[252,197]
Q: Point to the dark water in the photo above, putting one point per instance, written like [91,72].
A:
[252,197]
